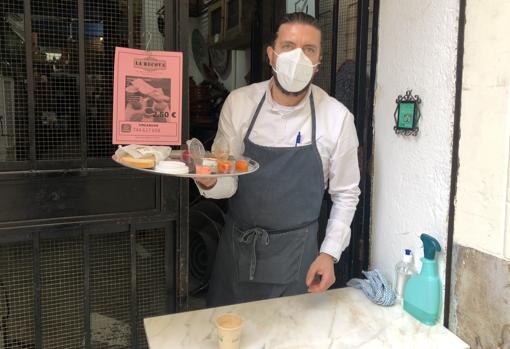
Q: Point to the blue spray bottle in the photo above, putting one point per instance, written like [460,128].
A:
[422,293]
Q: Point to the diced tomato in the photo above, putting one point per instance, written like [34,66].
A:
[224,166]
[241,166]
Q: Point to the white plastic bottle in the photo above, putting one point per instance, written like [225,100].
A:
[403,271]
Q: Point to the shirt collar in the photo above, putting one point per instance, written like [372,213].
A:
[281,109]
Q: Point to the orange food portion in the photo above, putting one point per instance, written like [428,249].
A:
[202,170]
[241,166]
[225,166]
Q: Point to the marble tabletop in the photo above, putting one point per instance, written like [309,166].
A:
[342,318]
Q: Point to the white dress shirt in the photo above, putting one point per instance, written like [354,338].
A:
[278,126]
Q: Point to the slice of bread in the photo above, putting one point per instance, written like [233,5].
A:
[138,163]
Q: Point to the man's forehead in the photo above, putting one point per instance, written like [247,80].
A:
[292,31]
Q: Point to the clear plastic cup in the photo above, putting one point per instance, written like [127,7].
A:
[221,149]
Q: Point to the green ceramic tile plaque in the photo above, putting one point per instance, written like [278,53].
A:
[406,115]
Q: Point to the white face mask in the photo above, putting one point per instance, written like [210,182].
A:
[294,70]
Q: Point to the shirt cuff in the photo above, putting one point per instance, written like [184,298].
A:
[225,187]
[338,236]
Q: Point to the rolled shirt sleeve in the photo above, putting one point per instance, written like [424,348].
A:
[225,186]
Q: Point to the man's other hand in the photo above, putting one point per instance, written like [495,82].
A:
[321,274]
[206,183]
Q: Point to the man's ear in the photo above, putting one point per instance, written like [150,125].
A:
[316,68]
[269,51]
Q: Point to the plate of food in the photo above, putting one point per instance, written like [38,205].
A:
[180,163]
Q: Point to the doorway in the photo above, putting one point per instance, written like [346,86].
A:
[227,50]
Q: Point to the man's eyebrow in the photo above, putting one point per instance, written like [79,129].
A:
[288,42]
[310,46]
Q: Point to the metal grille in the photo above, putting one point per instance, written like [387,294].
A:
[370,28]
[151,28]
[17,328]
[62,291]
[346,52]
[325,18]
[56,79]
[347,31]
[110,291]
[348,36]
[62,299]
[59,108]
[150,280]
[14,144]
[137,22]
[106,26]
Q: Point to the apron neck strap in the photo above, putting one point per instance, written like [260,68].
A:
[312,108]
[255,115]
[261,103]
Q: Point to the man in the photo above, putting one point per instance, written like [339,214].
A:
[304,141]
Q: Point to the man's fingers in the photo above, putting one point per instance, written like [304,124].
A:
[311,275]
[323,284]
[206,183]
[326,282]
[321,274]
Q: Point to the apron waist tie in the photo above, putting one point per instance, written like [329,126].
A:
[251,236]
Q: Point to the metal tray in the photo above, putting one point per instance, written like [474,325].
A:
[176,155]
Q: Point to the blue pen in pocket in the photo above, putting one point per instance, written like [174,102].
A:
[298,139]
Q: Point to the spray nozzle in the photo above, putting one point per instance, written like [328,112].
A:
[430,246]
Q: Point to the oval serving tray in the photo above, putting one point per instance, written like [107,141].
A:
[176,155]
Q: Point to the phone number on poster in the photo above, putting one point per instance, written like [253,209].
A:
[143,129]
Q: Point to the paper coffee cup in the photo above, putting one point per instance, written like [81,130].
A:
[229,330]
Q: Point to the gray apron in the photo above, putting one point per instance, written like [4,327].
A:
[270,236]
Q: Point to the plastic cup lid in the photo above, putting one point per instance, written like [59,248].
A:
[176,167]
[196,148]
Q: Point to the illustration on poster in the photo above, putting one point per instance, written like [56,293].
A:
[147,99]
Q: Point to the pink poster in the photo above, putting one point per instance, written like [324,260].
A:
[147,97]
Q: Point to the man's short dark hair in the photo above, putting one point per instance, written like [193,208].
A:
[297,17]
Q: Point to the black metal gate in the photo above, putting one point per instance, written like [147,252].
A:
[87,249]
[85,287]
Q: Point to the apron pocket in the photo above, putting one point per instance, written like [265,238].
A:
[269,258]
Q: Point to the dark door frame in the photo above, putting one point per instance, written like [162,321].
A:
[364,106]
[176,39]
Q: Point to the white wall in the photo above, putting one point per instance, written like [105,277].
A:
[411,184]
[507,203]
[482,218]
